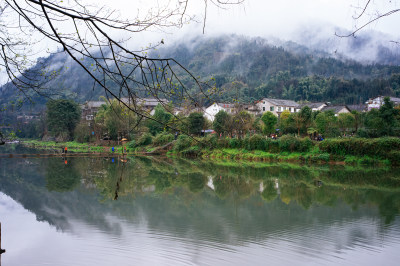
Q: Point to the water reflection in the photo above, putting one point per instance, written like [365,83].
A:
[208,213]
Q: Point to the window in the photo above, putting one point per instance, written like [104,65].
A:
[271,108]
[290,109]
[263,108]
[279,108]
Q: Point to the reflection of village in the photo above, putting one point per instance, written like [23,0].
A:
[302,186]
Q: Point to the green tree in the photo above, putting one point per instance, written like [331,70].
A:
[161,119]
[373,122]
[62,117]
[388,114]
[346,121]
[326,123]
[196,123]
[221,121]
[269,120]
[114,119]
[306,117]
[242,122]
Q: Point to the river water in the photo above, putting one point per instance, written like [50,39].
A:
[159,211]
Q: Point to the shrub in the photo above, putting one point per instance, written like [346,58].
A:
[163,138]
[305,145]
[394,157]
[183,142]
[223,142]
[145,140]
[131,144]
[256,142]
[362,133]
[271,145]
[235,143]
[360,146]
[193,151]
[290,143]
[287,143]
[210,141]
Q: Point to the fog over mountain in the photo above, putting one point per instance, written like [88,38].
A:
[315,68]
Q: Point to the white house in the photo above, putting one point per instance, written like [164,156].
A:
[377,102]
[213,109]
[277,106]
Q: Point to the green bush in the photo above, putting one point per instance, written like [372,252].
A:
[223,143]
[235,143]
[131,144]
[210,141]
[256,142]
[292,144]
[193,151]
[272,145]
[361,146]
[145,140]
[287,143]
[305,145]
[394,157]
[183,142]
[362,133]
[163,138]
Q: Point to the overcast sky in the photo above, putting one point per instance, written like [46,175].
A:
[284,18]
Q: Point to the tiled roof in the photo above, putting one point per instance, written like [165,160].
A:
[282,102]
[313,105]
[335,108]
[357,107]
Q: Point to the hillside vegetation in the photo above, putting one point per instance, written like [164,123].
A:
[243,69]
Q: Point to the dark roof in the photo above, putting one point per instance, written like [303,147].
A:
[335,108]
[357,107]
[281,102]
[313,105]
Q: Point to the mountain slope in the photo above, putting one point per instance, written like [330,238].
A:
[244,69]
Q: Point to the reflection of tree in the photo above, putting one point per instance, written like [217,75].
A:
[269,192]
[140,176]
[61,177]
[236,185]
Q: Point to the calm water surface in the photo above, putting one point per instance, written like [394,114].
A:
[102,211]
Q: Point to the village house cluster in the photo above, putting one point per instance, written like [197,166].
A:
[275,106]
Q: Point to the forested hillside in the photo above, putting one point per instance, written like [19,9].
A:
[243,69]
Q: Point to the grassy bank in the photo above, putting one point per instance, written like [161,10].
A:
[312,157]
[350,151]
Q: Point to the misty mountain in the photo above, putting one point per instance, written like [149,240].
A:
[245,69]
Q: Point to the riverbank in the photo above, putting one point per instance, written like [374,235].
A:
[351,151]
[313,157]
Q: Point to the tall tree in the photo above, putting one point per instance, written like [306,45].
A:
[196,123]
[388,114]
[62,117]
[221,122]
[269,120]
[160,120]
